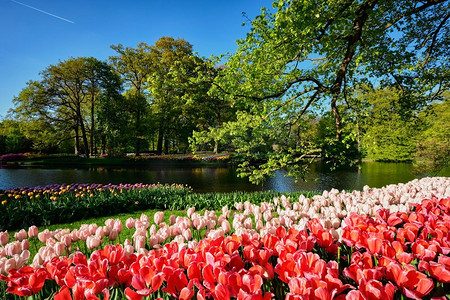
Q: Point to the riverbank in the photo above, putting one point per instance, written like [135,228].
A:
[200,159]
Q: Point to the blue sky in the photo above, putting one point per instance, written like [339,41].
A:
[31,40]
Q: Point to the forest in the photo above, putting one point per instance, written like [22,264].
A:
[351,82]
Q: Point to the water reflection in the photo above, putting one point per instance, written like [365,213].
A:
[215,179]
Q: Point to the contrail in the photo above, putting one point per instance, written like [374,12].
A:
[47,13]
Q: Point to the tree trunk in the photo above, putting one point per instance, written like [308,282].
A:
[137,148]
[216,146]
[103,144]
[92,126]
[77,141]
[160,140]
[337,118]
[166,146]
[84,135]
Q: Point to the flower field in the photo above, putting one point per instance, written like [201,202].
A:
[387,243]
[57,203]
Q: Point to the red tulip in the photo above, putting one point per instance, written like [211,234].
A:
[132,295]
[440,271]
[63,294]
[414,284]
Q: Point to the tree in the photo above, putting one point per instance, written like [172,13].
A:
[173,94]
[135,65]
[67,95]
[433,147]
[388,136]
[307,53]
[12,139]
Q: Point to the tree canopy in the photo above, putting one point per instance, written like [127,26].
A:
[305,54]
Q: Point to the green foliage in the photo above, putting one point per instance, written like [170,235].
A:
[12,139]
[303,54]
[64,101]
[433,147]
[388,135]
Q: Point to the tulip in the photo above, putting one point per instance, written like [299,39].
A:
[113,235]
[129,223]
[172,219]
[93,242]
[25,245]
[20,235]
[118,225]
[226,226]
[4,238]
[190,211]
[33,231]
[158,217]
[44,235]
[139,242]
[13,248]
[59,248]
[9,264]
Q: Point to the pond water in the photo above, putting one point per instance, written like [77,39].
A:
[215,178]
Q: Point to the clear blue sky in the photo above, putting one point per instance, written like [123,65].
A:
[31,40]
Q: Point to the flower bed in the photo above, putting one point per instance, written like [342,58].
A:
[265,251]
[54,204]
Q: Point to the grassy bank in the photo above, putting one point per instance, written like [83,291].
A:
[70,160]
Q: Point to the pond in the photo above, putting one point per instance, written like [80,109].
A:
[215,178]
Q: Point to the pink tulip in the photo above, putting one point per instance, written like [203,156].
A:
[4,238]
[66,240]
[187,234]
[118,226]
[44,235]
[37,261]
[172,219]
[139,242]
[106,230]
[20,235]
[199,223]
[129,249]
[93,242]
[248,223]
[82,235]
[59,248]
[10,264]
[158,217]
[129,223]
[113,235]
[179,239]
[25,245]
[92,228]
[13,248]
[226,226]
[99,232]
[50,242]
[109,222]
[144,218]
[190,211]
[33,231]
[153,241]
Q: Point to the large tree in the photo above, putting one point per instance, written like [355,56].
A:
[308,53]
[172,91]
[67,96]
[135,65]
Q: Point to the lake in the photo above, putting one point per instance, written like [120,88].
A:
[215,178]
